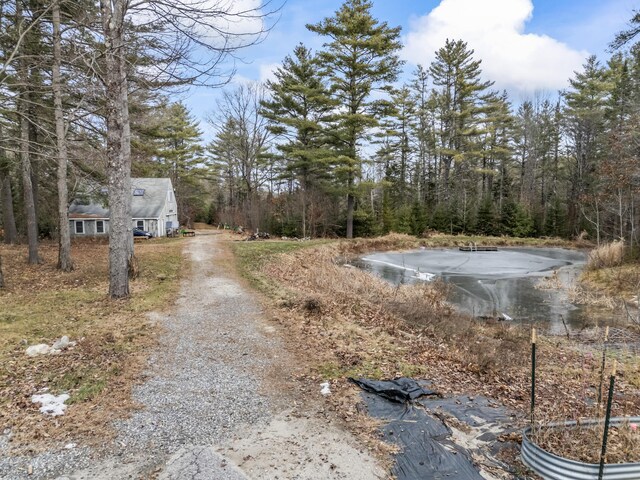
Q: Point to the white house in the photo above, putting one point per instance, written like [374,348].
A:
[153,209]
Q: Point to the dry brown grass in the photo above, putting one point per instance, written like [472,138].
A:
[391,325]
[40,304]
[606,255]
[584,443]
[347,322]
[621,281]
[399,241]
[580,295]
[552,282]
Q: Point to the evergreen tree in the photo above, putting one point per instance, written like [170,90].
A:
[396,149]
[394,155]
[618,171]
[496,143]
[297,111]
[555,221]
[418,219]
[524,224]
[508,220]
[459,97]
[423,137]
[585,125]
[178,154]
[486,218]
[360,56]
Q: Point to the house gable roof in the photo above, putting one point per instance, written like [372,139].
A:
[148,205]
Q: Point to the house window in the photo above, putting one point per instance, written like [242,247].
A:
[138,192]
[99,226]
[79,227]
[140,224]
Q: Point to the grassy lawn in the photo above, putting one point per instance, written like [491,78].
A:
[41,304]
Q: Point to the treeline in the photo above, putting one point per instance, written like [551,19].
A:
[335,146]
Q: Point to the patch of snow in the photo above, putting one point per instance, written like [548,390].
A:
[506,317]
[69,446]
[427,277]
[61,344]
[40,349]
[325,389]
[43,349]
[51,404]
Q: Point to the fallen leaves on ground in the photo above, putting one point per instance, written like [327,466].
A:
[40,304]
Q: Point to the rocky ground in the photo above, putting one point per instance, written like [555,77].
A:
[217,402]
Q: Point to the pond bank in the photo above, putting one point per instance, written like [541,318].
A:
[351,324]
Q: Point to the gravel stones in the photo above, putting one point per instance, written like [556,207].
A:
[202,385]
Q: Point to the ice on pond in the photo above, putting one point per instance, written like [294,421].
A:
[427,277]
[494,284]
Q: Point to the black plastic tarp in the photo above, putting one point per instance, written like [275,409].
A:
[399,390]
[427,450]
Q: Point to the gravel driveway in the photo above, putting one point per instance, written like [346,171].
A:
[213,408]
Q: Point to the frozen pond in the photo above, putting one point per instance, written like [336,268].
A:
[492,284]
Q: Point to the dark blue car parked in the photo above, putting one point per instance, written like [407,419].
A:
[138,232]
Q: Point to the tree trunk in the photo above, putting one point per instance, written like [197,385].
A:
[350,208]
[27,185]
[8,217]
[118,153]
[304,212]
[64,237]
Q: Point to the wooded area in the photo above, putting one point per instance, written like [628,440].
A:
[345,141]
[347,149]
[83,101]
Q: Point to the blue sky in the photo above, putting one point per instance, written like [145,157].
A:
[527,46]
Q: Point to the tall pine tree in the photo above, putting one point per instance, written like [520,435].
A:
[297,110]
[360,56]
[459,96]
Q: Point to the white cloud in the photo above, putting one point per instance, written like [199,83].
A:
[267,71]
[495,29]
[217,23]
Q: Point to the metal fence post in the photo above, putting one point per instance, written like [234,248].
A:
[533,377]
[607,418]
